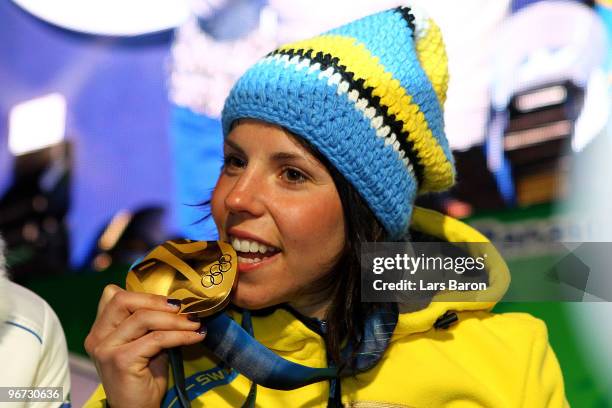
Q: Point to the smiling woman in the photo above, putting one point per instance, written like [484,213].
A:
[269,192]
[311,266]
[327,142]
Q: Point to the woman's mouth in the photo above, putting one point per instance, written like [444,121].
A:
[252,254]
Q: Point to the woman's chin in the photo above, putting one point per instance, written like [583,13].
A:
[252,300]
[250,305]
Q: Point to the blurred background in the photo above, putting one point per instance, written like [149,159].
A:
[110,141]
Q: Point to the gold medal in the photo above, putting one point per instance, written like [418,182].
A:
[201,274]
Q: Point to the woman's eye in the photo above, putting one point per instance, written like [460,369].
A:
[231,161]
[294,176]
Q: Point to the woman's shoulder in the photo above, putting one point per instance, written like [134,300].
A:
[481,352]
[510,336]
[502,324]
[514,330]
[483,344]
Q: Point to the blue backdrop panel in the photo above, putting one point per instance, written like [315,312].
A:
[197,155]
[117,114]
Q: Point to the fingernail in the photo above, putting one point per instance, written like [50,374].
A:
[193,318]
[176,303]
[202,330]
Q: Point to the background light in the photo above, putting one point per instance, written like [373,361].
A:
[37,123]
[110,17]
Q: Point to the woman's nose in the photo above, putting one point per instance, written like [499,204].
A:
[246,195]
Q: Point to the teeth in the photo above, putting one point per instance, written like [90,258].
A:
[245,245]
[249,260]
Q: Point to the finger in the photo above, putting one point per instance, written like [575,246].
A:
[107,294]
[122,305]
[95,335]
[156,341]
[143,321]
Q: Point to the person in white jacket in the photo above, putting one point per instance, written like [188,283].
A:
[33,350]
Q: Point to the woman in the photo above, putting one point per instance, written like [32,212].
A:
[327,143]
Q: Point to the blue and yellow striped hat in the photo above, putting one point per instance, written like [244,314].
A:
[369,96]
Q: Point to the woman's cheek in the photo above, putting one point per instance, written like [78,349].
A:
[319,217]
[217,202]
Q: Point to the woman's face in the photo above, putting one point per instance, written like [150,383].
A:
[279,207]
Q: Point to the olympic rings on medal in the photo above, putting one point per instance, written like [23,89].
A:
[214,276]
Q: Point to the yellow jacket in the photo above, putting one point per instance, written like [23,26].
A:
[483,360]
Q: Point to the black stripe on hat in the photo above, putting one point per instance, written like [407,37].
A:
[397,126]
[407,15]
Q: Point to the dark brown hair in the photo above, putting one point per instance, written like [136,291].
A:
[347,313]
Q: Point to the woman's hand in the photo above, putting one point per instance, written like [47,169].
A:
[127,343]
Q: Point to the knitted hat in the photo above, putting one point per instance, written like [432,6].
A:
[369,96]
